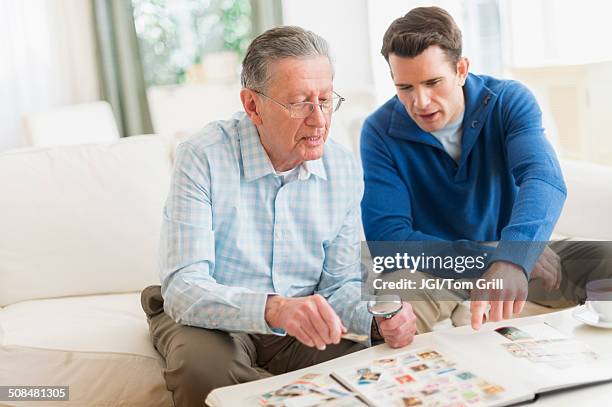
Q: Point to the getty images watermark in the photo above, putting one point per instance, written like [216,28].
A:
[434,270]
[457,264]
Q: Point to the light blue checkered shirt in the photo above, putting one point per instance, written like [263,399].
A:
[233,234]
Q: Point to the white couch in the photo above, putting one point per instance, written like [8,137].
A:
[78,241]
[79,229]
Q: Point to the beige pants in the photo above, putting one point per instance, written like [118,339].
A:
[581,262]
[199,360]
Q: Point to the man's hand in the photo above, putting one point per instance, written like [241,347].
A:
[503,302]
[311,320]
[548,269]
[399,330]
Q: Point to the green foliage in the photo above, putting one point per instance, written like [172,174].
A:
[174,34]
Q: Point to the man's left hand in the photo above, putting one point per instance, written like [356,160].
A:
[504,303]
[548,269]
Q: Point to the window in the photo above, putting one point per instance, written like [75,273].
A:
[559,50]
[175,36]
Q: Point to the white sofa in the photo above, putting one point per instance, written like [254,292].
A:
[79,229]
[78,241]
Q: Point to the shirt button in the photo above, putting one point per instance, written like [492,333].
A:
[474,124]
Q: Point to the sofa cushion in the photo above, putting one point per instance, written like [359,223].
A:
[98,323]
[80,220]
[97,345]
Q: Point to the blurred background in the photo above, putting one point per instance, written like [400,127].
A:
[171,66]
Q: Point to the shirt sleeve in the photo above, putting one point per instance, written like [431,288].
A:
[535,168]
[187,257]
[340,281]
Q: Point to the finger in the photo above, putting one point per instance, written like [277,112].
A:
[519,301]
[548,252]
[331,319]
[313,334]
[399,343]
[318,323]
[477,309]
[559,275]
[403,338]
[551,255]
[385,331]
[546,255]
[537,271]
[550,273]
[508,307]
[540,273]
[496,311]
[558,261]
[301,335]
[518,306]
[397,320]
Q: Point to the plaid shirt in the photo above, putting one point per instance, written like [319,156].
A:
[233,234]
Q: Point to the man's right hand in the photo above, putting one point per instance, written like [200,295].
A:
[399,330]
[311,320]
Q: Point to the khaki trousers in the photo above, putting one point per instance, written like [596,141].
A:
[581,262]
[199,360]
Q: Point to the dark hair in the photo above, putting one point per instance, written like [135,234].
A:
[410,35]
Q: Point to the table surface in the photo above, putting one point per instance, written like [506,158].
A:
[600,340]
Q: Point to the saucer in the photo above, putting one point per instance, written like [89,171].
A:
[584,314]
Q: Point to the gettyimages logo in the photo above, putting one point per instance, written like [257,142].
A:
[458,264]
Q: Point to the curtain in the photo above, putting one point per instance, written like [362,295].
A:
[121,73]
[47,56]
[266,14]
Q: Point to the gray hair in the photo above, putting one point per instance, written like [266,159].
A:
[278,43]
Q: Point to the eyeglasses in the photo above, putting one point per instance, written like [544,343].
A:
[301,110]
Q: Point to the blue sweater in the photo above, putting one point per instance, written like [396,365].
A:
[506,187]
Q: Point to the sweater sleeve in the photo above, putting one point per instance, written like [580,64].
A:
[536,171]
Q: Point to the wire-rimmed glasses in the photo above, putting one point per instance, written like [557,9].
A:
[301,110]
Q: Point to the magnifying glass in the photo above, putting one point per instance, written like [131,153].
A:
[382,306]
[385,305]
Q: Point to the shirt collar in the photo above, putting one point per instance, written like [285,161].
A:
[255,160]
[314,167]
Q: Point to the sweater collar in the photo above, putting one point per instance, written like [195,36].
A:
[478,104]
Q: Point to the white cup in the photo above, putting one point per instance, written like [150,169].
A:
[599,298]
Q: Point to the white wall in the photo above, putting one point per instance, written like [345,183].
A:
[344,24]
[565,58]
[551,33]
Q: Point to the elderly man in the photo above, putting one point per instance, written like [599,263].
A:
[260,251]
[461,157]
